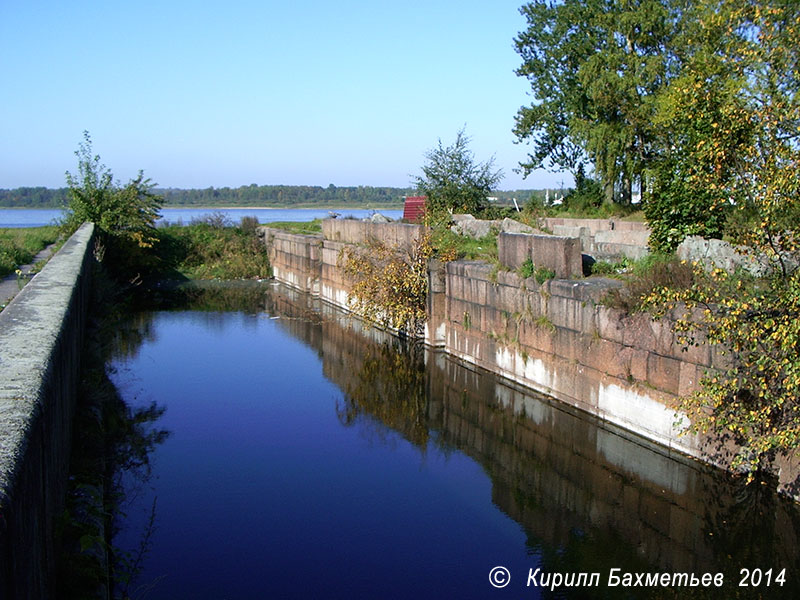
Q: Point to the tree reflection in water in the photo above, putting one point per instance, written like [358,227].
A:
[588,497]
[111,448]
[389,387]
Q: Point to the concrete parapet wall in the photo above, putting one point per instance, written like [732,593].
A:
[335,285]
[41,334]
[604,238]
[560,254]
[350,231]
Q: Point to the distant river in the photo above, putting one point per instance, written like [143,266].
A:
[37,217]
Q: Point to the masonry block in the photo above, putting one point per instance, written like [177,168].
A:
[560,254]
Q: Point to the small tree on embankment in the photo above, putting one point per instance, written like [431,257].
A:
[124,215]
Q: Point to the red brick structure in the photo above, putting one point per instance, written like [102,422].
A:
[414,208]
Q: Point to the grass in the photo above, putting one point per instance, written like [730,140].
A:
[205,251]
[452,245]
[540,274]
[305,227]
[612,269]
[650,273]
[19,246]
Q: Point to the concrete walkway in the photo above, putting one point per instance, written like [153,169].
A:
[9,286]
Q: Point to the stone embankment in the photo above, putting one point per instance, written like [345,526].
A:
[41,333]
[552,469]
[556,337]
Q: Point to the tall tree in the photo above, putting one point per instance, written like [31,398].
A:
[595,68]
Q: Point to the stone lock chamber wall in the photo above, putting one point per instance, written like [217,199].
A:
[556,337]
[41,333]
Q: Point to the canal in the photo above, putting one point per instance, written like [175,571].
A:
[310,456]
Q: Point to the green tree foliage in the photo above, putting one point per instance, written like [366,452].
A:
[595,68]
[755,399]
[124,216]
[735,111]
[33,197]
[704,126]
[453,181]
[587,194]
[287,196]
[247,195]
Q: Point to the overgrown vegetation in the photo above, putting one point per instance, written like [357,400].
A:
[453,181]
[134,250]
[20,246]
[390,285]
[696,105]
[303,227]
[642,277]
[211,250]
[448,245]
[754,398]
[124,215]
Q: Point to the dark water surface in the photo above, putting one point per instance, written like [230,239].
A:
[310,457]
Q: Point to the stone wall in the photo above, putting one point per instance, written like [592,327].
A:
[596,225]
[604,239]
[41,333]
[562,255]
[552,469]
[558,338]
[294,258]
[351,231]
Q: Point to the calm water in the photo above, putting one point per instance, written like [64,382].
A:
[312,458]
[23,217]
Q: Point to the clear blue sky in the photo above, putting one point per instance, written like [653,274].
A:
[231,93]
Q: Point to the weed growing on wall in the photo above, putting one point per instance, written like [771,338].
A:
[390,285]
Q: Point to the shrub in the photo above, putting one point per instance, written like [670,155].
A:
[249,224]
[203,251]
[390,287]
[527,269]
[124,216]
[654,272]
[453,181]
[216,219]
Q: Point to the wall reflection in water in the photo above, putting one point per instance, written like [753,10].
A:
[590,497]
